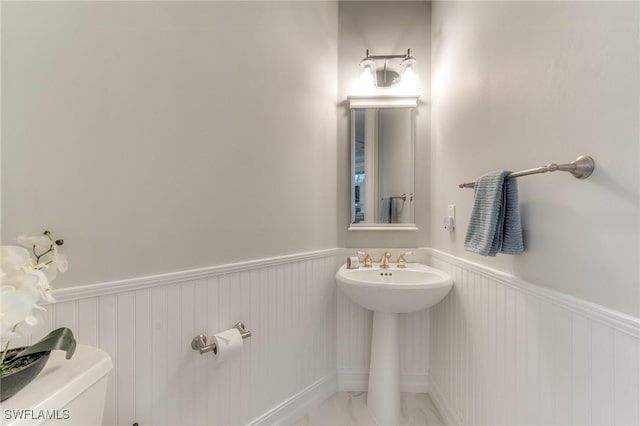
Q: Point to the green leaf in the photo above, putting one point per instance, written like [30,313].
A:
[61,338]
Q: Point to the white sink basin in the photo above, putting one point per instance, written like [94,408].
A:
[395,290]
[389,292]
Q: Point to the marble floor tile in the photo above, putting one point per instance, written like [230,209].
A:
[350,409]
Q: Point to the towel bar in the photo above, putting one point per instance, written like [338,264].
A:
[580,168]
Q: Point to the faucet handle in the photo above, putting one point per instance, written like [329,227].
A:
[368,261]
[402,262]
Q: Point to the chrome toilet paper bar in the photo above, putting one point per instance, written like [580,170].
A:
[199,343]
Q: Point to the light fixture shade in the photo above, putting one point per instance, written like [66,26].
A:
[409,81]
[367,81]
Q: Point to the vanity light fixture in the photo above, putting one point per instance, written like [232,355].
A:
[409,79]
[367,80]
[372,77]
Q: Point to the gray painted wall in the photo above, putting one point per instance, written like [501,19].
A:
[164,136]
[518,85]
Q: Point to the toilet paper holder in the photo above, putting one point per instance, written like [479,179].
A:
[199,343]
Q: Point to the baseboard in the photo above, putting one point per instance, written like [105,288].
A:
[448,415]
[358,381]
[414,383]
[299,404]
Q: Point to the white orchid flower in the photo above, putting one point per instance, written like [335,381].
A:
[13,258]
[61,261]
[21,287]
[50,271]
[43,285]
[42,243]
[25,276]
[53,262]
[49,260]
[17,306]
[19,293]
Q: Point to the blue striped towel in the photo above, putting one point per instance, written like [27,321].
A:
[495,219]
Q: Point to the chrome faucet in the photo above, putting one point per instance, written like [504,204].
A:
[384,261]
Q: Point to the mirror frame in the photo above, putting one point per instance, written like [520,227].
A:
[380,101]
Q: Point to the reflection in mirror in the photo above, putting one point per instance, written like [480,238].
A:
[382,165]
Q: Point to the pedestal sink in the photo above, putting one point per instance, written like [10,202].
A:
[389,292]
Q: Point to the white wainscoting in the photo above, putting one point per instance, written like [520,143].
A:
[146,325]
[496,351]
[505,352]
[354,337]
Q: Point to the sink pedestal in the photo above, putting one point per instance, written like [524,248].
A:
[383,399]
[389,292]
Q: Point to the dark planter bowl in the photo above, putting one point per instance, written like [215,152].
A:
[14,382]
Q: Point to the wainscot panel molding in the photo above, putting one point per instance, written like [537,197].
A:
[101,289]
[146,325]
[507,352]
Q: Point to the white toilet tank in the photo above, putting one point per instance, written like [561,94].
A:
[66,392]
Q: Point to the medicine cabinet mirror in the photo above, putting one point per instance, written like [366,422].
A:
[382,162]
